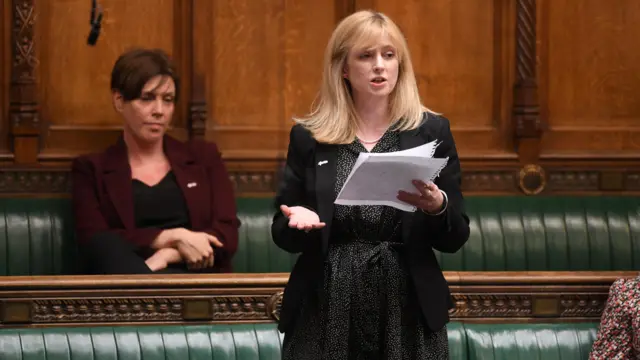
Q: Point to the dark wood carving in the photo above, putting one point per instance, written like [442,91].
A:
[478,297]
[526,108]
[23,104]
[35,181]
[43,181]
[106,310]
[476,305]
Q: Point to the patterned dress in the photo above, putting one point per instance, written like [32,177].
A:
[619,334]
[368,308]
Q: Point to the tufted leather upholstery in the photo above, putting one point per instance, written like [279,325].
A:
[263,342]
[507,234]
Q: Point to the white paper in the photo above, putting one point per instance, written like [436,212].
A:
[376,178]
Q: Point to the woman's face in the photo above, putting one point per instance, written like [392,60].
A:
[373,70]
[148,117]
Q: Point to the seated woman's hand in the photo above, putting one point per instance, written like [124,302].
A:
[301,218]
[162,258]
[196,248]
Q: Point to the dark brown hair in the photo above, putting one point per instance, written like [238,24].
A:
[135,67]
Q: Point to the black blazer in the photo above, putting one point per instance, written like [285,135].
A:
[306,184]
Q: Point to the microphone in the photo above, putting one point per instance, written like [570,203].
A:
[95,21]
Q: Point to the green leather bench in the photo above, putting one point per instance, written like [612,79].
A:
[263,342]
[515,233]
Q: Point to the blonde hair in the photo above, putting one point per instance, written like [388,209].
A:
[333,119]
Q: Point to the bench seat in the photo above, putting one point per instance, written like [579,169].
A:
[568,341]
[508,233]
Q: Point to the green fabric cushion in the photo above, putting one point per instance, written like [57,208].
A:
[512,233]
[264,342]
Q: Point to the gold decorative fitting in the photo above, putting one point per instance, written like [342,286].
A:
[532,179]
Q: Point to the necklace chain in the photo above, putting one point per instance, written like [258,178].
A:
[370,141]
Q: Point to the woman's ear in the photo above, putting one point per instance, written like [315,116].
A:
[118,101]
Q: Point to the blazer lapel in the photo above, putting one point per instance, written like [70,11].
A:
[192,180]
[326,170]
[117,180]
[408,140]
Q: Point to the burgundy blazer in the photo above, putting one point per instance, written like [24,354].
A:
[103,195]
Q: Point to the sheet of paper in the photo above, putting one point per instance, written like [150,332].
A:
[376,178]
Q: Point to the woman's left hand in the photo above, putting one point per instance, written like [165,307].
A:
[429,198]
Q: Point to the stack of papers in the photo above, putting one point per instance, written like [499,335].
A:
[376,178]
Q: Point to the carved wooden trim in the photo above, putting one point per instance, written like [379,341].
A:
[200,14]
[526,109]
[41,181]
[532,179]
[35,181]
[228,298]
[23,103]
[525,40]
[527,122]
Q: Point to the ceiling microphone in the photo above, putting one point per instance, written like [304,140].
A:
[95,21]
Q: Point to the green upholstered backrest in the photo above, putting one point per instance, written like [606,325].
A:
[507,234]
[257,253]
[37,237]
[523,233]
[569,341]
[263,342]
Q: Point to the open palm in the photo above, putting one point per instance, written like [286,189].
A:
[302,218]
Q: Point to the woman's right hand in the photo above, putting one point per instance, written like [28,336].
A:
[302,218]
[196,247]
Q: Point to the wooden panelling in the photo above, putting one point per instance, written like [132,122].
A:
[590,78]
[265,63]
[541,94]
[463,58]
[73,93]
[5,76]
[511,297]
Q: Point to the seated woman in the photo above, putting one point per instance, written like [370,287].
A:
[619,333]
[151,203]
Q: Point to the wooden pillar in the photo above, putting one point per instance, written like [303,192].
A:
[23,102]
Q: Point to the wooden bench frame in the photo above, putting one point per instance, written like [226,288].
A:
[44,301]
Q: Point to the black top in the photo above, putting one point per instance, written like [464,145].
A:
[160,206]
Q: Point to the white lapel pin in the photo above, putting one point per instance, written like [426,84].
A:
[191,184]
[322,162]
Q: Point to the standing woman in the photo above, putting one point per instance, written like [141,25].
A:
[367,284]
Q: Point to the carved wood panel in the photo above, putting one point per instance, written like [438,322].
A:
[228,298]
[5,76]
